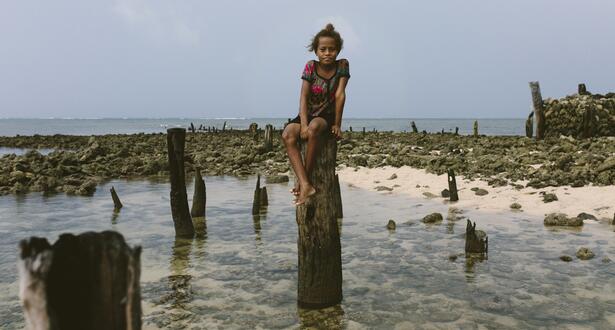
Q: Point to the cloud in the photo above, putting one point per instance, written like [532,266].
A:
[352,41]
[160,23]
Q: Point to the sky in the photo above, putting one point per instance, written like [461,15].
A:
[213,59]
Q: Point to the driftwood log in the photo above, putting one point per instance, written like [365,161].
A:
[476,240]
[539,112]
[319,249]
[176,138]
[199,199]
[89,281]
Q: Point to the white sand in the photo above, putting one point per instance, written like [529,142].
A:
[595,200]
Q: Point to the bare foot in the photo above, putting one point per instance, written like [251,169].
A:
[296,189]
[306,192]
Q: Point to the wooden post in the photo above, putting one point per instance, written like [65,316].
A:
[264,198]
[268,137]
[224,126]
[256,203]
[179,199]
[363,131]
[199,199]
[452,186]
[339,210]
[583,90]
[538,110]
[117,205]
[529,125]
[476,128]
[350,128]
[319,249]
[456,130]
[587,123]
[414,129]
[253,128]
[192,128]
[89,281]
[476,240]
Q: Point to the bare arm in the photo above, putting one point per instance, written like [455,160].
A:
[340,100]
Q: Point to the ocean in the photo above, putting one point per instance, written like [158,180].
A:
[69,126]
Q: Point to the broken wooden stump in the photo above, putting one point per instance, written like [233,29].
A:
[224,126]
[192,128]
[179,200]
[117,205]
[319,249]
[199,199]
[452,186]
[268,137]
[476,240]
[456,130]
[89,281]
[476,128]
[588,123]
[529,125]
[538,110]
[414,129]
[583,90]
[256,202]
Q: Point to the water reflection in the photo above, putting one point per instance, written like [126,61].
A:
[179,280]
[326,318]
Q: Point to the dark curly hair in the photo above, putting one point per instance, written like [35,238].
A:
[328,31]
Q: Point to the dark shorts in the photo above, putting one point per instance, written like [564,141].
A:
[328,117]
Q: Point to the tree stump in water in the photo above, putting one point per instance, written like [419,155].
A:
[320,261]
[179,200]
[117,205]
[256,202]
[199,199]
[89,281]
[452,186]
[476,240]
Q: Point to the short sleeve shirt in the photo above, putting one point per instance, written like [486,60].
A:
[321,100]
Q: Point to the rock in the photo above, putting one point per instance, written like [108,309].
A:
[586,216]
[418,186]
[566,258]
[391,225]
[481,192]
[474,188]
[606,260]
[452,257]
[607,165]
[432,218]
[429,195]
[585,253]
[383,188]
[515,206]
[560,219]
[453,214]
[277,179]
[87,188]
[392,177]
[549,197]
[445,193]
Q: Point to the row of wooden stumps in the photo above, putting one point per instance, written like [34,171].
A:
[194,129]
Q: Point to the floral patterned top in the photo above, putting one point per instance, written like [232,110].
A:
[321,100]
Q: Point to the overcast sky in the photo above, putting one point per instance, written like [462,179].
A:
[205,59]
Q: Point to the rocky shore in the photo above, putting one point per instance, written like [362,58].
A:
[79,162]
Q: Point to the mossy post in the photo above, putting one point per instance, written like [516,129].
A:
[176,138]
[452,186]
[476,128]
[199,199]
[319,249]
[414,128]
[89,281]
[117,204]
[538,110]
[529,125]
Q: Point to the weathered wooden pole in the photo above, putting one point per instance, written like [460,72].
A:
[224,126]
[476,128]
[256,203]
[89,281]
[319,249]
[179,200]
[583,90]
[264,197]
[538,110]
[476,240]
[339,210]
[529,125]
[192,128]
[588,122]
[363,131]
[456,130]
[117,205]
[414,129]
[268,137]
[199,199]
[452,186]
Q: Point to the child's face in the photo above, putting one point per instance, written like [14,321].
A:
[327,50]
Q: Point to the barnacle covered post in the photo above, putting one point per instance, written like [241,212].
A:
[319,248]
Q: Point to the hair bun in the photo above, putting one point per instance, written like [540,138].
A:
[329,27]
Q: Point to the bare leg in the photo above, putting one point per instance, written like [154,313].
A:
[290,137]
[315,133]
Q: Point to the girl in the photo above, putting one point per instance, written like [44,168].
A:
[321,104]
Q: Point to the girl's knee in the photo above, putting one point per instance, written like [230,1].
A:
[289,136]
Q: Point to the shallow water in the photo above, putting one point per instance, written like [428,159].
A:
[243,273]
[22,151]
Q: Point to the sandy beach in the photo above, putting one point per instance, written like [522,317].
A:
[417,183]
